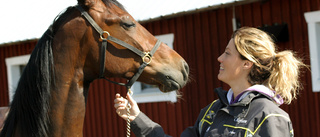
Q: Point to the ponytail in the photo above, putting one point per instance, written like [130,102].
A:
[284,76]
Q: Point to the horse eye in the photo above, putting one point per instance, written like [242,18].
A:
[128,25]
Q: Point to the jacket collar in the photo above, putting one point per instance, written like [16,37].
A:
[222,94]
[268,93]
[252,92]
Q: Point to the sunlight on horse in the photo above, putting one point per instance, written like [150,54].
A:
[51,96]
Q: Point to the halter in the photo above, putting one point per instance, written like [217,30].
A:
[145,56]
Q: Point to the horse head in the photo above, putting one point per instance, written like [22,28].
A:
[167,69]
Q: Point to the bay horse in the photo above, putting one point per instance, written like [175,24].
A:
[51,96]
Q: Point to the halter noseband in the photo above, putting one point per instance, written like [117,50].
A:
[146,56]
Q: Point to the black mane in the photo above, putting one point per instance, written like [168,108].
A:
[30,104]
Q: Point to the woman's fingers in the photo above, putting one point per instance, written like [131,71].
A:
[120,104]
[131,101]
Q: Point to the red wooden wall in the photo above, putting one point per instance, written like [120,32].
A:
[200,38]
[6,51]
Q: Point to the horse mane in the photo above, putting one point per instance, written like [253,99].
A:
[31,102]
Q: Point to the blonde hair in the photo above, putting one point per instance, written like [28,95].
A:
[277,70]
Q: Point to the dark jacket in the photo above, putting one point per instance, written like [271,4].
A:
[256,115]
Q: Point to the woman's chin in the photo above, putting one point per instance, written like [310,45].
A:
[219,76]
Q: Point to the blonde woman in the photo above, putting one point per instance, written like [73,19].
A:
[261,79]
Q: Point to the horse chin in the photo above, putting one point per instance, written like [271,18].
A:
[169,85]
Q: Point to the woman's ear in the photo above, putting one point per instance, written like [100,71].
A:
[247,64]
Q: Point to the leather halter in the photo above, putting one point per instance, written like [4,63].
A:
[146,56]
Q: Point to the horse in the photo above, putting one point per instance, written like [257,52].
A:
[51,96]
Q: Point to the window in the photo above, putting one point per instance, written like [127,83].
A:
[15,66]
[313,20]
[146,93]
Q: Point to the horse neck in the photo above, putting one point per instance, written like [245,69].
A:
[67,109]
[68,96]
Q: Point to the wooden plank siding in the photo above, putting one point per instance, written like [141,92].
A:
[199,38]
[18,49]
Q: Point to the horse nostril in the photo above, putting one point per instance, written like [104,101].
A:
[186,67]
[185,71]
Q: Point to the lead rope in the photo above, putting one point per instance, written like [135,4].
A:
[128,113]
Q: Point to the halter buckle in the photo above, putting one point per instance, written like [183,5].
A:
[102,37]
[147,58]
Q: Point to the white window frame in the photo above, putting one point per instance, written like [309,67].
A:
[154,94]
[13,72]
[313,20]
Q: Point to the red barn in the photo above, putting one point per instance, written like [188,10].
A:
[200,36]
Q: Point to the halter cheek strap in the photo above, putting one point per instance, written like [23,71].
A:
[145,56]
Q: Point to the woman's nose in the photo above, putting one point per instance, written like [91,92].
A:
[219,58]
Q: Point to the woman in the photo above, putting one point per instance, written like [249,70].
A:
[260,78]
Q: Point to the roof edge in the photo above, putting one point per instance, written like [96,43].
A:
[18,42]
[213,7]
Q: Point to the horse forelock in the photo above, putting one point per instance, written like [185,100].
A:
[108,3]
[115,2]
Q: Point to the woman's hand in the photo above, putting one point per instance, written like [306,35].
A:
[120,105]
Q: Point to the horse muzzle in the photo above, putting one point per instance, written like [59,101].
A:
[174,79]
